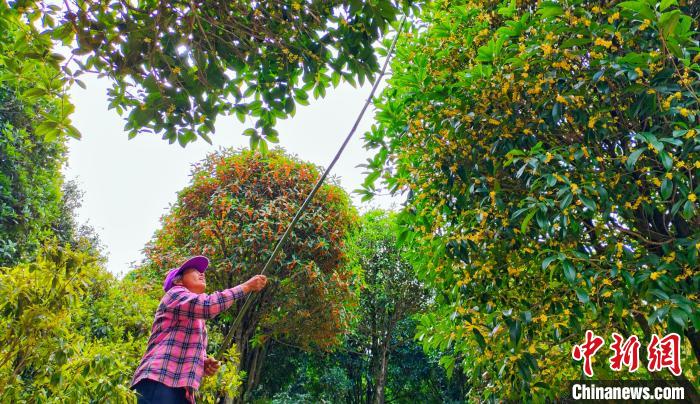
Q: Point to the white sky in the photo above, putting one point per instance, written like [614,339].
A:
[130,184]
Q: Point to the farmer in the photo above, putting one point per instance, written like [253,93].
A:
[175,359]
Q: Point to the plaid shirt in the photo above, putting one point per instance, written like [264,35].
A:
[178,343]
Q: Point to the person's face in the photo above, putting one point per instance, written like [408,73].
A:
[194,280]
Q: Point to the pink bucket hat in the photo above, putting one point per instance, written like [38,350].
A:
[200,263]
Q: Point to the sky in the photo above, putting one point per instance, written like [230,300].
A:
[129,184]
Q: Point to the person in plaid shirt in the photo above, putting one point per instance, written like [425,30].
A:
[175,361]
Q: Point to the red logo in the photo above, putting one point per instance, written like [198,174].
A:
[586,351]
[626,353]
[665,353]
[661,352]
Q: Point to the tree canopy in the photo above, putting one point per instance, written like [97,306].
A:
[177,66]
[550,155]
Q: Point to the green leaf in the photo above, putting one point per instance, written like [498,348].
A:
[666,160]
[688,209]
[667,3]
[556,112]
[666,188]
[515,331]
[680,317]
[479,338]
[588,202]
[550,9]
[633,157]
[526,221]
[582,295]
[569,271]
[34,92]
[509,10]
[668,22]
[568,197]
[548,261]
[254,142]
[73,132]
[640,8]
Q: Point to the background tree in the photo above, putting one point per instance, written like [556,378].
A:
[550,155]
[389,293]
[237,206]
[379,360]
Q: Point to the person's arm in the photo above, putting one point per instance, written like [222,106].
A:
[182,302]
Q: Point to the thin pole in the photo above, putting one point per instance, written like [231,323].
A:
[246,304]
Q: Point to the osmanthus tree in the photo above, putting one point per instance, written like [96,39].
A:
[550,152]
[234,211]
[30,163]
[178,65]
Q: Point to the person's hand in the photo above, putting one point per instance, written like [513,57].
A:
[211,366]
[255,284]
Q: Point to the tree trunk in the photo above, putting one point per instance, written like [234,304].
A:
[380,376]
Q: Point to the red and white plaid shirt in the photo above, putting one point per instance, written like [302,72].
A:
[178,343]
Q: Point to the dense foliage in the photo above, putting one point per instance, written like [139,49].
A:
[30,181]
[176,66]
[550,151]
[379,361]
[31,72]
[30,184]
[389,294]
[52,346]
[234,211]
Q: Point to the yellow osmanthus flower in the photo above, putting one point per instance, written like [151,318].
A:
[692,197]
[684,111]
[546,49]
[670,257]
[591,122]
[602,42]
[614,17]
